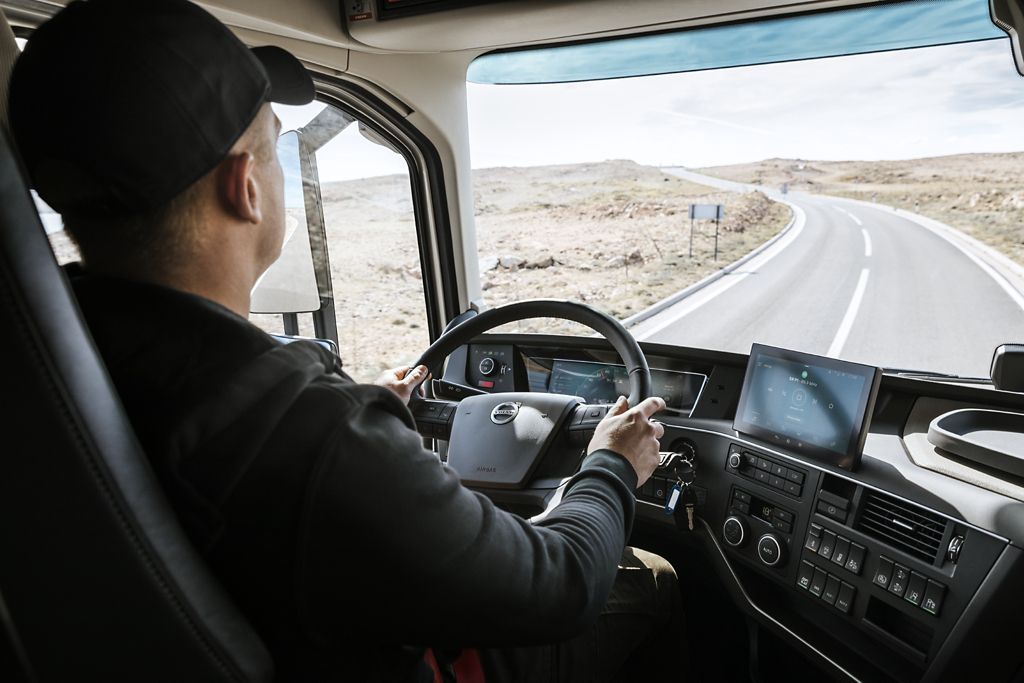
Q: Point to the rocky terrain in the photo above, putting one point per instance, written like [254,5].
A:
[614,235]
[981,194]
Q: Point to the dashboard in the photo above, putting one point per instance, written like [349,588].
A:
[880,567]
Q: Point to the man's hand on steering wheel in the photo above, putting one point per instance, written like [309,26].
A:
[402,381]
[630,433]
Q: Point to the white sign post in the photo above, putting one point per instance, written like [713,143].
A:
[713,212]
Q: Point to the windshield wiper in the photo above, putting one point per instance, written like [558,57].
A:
[931,374]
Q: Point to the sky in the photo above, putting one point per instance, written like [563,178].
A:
[892,105]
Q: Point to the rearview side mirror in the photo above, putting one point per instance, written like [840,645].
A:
[1009,16]
[290,285]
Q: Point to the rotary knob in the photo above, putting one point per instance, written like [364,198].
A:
[770,550]
[734,531]
[735,461]
[487,366]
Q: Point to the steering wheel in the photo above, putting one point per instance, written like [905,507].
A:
[500,440]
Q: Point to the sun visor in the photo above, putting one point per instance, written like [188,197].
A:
[877,28]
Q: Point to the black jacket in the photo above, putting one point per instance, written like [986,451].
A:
[341,538]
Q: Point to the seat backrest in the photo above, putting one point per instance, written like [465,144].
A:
[97,580]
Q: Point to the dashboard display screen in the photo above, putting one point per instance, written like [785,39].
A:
[603,383]
[808,404]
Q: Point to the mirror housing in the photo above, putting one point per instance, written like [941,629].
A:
[1007,371]
[1009,16]
[289,285]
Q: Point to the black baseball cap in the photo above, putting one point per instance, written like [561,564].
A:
[117,106]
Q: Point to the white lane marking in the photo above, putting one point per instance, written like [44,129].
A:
[867,241]
[850,215]
[851,314]
[687,306]
[1000,280]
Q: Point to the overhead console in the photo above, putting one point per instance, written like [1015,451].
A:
[393,9]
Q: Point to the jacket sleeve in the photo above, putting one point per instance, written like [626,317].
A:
[393,547]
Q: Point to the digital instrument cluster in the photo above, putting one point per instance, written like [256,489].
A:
[605,382]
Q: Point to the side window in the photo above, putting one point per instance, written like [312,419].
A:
[367,204]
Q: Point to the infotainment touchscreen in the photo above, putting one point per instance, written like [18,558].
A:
[816,406]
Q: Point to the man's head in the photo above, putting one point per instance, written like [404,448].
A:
[147,126]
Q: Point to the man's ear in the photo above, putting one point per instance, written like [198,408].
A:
[237,188]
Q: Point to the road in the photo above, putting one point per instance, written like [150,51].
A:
[856,281]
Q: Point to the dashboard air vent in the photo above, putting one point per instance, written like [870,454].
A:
[904,526]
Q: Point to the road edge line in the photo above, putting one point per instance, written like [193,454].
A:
[673,299]
[1003,270]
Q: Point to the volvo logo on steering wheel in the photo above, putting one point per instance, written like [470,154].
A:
[504,413]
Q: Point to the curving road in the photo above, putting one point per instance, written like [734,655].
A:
[856,281]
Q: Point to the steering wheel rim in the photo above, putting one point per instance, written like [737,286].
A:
[608,327]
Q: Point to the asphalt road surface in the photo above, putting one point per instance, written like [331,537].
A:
[854,281]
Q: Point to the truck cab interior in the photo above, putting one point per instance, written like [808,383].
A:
[878,540]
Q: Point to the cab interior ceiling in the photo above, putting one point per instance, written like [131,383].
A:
[475,27]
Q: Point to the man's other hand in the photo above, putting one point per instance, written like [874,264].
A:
[398,381]
[630,433]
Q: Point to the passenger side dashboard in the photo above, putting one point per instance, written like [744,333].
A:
[888,572]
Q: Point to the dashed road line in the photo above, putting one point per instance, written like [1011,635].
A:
[851,314]
[848,214]
[867,241]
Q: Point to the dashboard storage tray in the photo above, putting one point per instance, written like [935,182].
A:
[993,438]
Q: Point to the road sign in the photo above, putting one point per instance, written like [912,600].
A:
[714,212]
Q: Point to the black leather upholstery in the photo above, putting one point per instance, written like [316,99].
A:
[98,580]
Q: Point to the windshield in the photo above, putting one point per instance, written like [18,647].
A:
[868,207]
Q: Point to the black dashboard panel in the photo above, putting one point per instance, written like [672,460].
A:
[890,572]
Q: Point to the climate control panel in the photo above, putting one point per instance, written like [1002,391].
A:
[768,525]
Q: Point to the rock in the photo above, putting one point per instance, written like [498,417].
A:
[488,263]
[545,262]
[510,262]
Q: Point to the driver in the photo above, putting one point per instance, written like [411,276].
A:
[147,125]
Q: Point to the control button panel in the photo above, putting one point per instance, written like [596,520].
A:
[915,588]
[838,550]
[829,588]
[766,470]
[746,503]
[490,367]
[659,486]
[832,506]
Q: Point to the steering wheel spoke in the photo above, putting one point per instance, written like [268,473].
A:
[434,417]
[583,423]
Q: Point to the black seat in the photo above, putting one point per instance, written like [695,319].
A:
[97,580]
